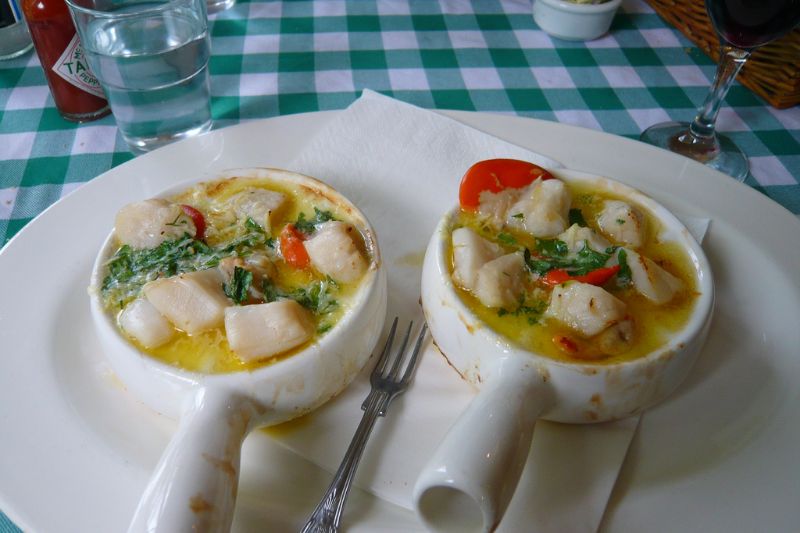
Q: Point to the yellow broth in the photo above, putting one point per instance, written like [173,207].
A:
[209,352]
[529,328]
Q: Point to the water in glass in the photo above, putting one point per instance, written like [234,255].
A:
[155,73]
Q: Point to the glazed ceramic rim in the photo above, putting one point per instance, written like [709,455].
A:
[360,298]
[698,320]
[582,9]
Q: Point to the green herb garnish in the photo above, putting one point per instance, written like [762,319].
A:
[239,286]
[129,269]
[553,254]
[307,226]
[576,217]
[507,239]
[318,297]
[624,272]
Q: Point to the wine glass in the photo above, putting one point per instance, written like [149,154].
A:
[742,25]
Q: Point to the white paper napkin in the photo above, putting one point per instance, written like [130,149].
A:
[402,165]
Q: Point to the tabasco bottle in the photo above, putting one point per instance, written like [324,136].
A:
[76,91]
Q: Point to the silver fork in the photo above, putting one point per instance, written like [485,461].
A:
[386,384]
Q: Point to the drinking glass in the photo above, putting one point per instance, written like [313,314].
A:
[742,26]
[151,59]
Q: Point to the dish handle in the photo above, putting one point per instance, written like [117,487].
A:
[470,479]
[193,487]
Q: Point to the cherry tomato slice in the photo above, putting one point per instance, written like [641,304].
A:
[598,276]
[292,247]
[494,175]
[198,219]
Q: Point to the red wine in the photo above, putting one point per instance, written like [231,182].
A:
[751,23]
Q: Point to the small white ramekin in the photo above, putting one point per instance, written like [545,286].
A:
[574,22]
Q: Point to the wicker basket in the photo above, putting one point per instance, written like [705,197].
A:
[773,71]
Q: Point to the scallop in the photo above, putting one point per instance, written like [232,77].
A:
[142,321]
[258,204]
[584,308]
[263,330]
[148,223]
[499,283]
[193,302]
[333,251]
[542,210]
[622,223]
[471,252]
[577,236]
[650,280]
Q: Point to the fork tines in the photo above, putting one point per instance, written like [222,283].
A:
[384,378]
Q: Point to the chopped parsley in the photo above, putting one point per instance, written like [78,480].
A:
[129,269]
[552,254]
[624,272]
[307,226]
[576,217]
[506,238]
[519,216]
[532,311]
[239,286]
[317,297]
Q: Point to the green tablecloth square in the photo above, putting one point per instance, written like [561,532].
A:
[779,142]
[600,98]
[437,59]
[508,57]
[301,25]
[425,23]
[11,77]
[576,57]
[528,99]
[739,96]
[227,27]
[642,57]
[493,22]
[225,64]
[453,99]
[289,104]
[45,170]
[296,62]
[670,97]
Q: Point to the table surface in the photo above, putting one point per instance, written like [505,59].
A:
[273,58]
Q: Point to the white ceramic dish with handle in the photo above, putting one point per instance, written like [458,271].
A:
[468,483]
[194,485]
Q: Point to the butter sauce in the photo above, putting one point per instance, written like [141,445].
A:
[529,328]
[209,351]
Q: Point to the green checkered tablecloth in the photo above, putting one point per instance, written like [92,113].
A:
[281,57]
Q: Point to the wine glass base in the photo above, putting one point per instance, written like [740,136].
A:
[725,156]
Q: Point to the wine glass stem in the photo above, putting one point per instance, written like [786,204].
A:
[731,61]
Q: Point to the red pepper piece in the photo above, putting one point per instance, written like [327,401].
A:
[198,219]
[494,175]
[598,276]
[292,247]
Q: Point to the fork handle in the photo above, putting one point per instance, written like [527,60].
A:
[326,517]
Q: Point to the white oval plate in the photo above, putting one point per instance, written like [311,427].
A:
[76,451]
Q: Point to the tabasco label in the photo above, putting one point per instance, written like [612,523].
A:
[72,66]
